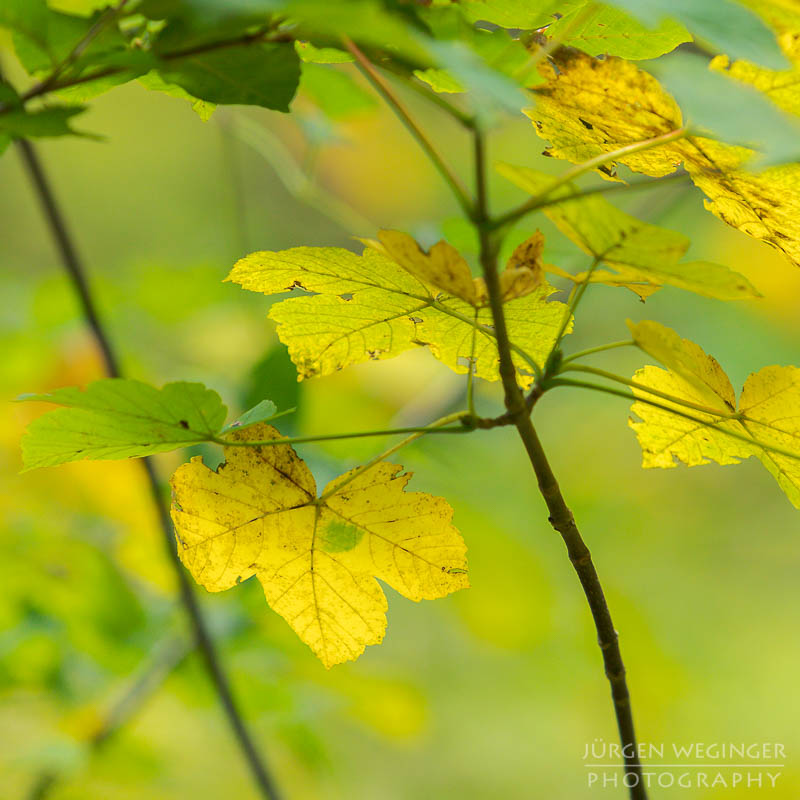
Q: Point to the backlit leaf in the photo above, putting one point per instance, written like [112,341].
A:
[607,30]
[120,418]
[317,559]
[590,107]
[765,425]
[643,256]
[395,297]
[526,14]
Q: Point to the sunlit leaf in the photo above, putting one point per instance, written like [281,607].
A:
[261,412]
[395,297]
[610,31]
[317,560]
[765,425]
[643,256]
[517,13]
[120,418]
[440,80]
[591,106]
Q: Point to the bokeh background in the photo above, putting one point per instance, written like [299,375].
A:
[493,692]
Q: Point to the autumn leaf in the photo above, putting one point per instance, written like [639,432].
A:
[123,418]
[394,297]
[644,257]
[317,558]
[766,423]
[590,107]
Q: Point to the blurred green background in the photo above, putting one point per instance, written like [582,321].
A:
[493,692]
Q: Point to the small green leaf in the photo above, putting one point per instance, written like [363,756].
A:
[440,80]
[309,54]
[120,418]
[262,412]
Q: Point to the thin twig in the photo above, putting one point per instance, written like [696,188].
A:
[202,634]
[586,166]
[333,437]
[715,424]
[105,19]
[456,417]
[599,349]
[560,517]
[383,89]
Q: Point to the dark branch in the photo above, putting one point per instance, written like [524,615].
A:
[202,635]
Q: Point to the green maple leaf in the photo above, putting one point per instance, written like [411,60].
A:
[121,418]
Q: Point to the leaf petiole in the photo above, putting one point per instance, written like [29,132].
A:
[436,426]
[637,399]
[331,437]
[600,373]
[599,349]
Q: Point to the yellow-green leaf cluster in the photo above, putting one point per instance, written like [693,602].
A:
[590,107]
[394,297]
[766,423]
[317,558]
[644,257]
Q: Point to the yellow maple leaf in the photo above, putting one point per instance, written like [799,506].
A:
[765,425]
[591,106]
[317,558]
[394,297]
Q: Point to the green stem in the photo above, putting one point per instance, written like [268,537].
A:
[599,349]
[432,428]
[574,300]
[332,437]
[382,88]
[586,166]
[634,398]
[601,373]
[471,373]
